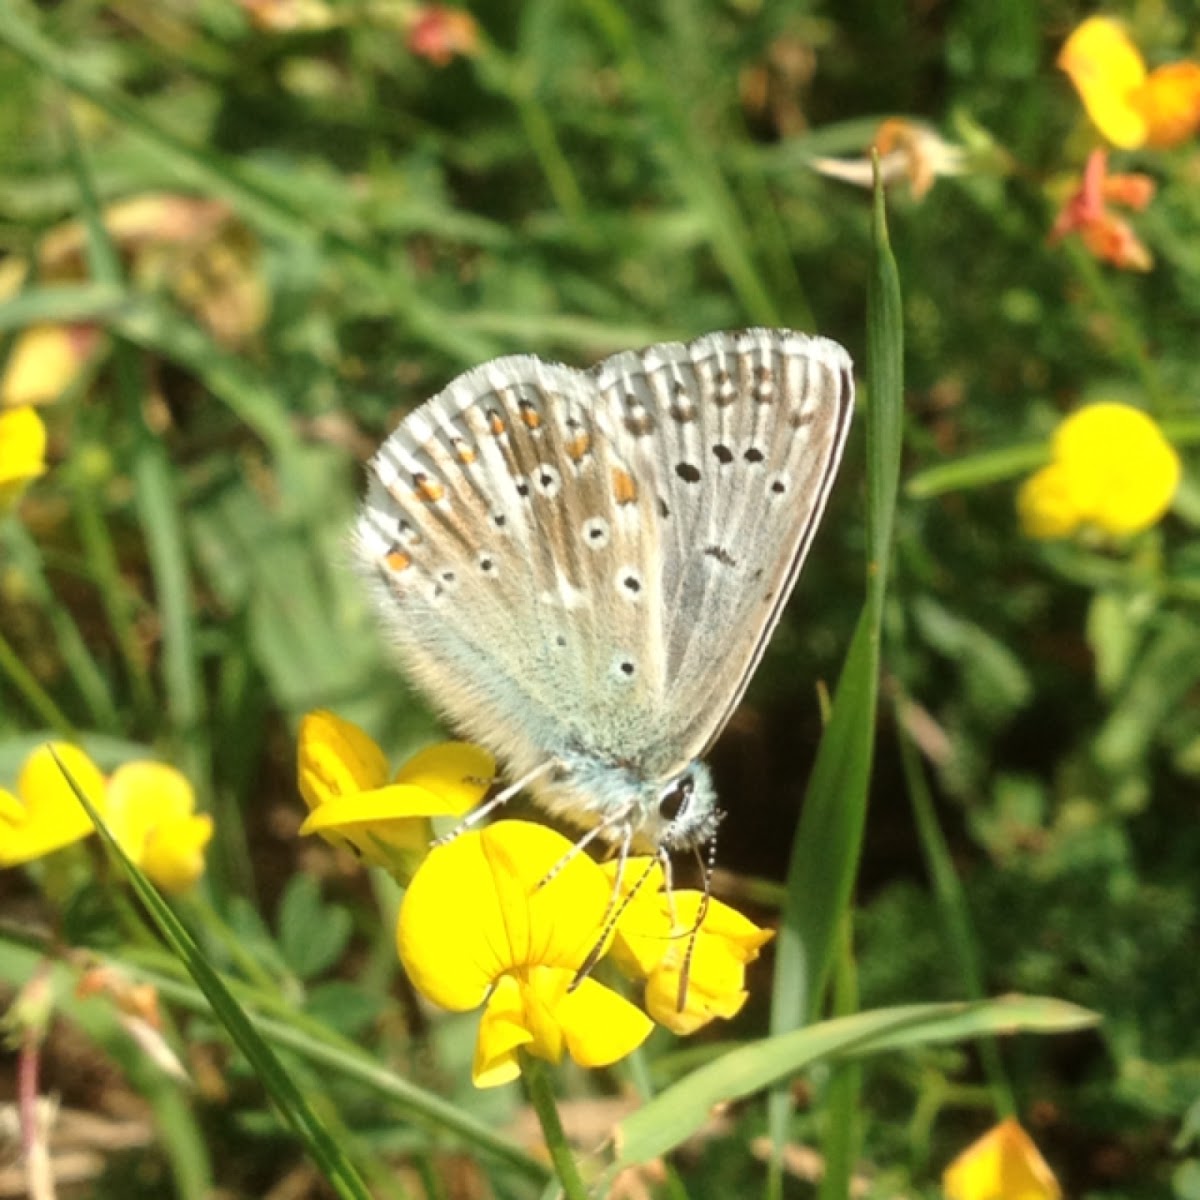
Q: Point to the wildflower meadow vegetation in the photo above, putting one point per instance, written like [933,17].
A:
[950,947]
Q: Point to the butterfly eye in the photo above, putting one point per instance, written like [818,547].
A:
[673,802]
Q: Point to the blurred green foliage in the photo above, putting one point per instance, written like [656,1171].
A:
[599,176]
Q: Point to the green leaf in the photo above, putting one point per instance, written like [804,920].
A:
[312,934]
[678,1112]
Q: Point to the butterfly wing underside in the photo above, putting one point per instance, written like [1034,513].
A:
[748,433]
[593,561]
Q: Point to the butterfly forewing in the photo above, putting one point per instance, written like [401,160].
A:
[593,561]
[749,431]
[512,551]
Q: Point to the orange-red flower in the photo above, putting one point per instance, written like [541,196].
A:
[438,34]
[1107,236]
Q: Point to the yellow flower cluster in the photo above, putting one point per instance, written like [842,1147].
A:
[149,808]
[1111,470]
[507,916]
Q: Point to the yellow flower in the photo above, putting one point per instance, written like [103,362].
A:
[1004,1164]
[44,362]
[1130,106]
[45,814]
[484,922]
[650,945]
[344,779]
[22,453]
[150,809]
[1111,469]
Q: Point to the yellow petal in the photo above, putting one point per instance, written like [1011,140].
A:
[1045,504]
[1004,1164]
[540,1010]
[388,827]
[599,1025]
[1169,101]
[1122,472]
[43,363]
[52,816]
[1107,70]
[337,758]
[173,856]
[142,796]
[458,773]
[502,1032]
[699,1007]
[484,905]
[22,452]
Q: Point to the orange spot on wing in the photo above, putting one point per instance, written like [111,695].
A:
[428,489]
[397,560]
[464,452]
[624,487]
[496,423]
[531,417]
[578,447]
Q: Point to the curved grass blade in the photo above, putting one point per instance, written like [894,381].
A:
[680,1110]
[330,1157]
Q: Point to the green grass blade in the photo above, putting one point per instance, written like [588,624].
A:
[829,834]
[680,1110]
[330,1157]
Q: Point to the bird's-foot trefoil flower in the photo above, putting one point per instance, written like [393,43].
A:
[1128,104]
[659,936]
[1111,470]
[44,814]
[505,917]
[148,807]
[1003,1164]
[356,800]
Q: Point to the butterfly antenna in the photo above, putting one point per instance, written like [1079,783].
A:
[707,866]
[617,905]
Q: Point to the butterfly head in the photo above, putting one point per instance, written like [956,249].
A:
[683,813]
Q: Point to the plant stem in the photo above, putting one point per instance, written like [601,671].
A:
[541,1096]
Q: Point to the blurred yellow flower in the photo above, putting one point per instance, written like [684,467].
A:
[22,453]
[1111,469]
[44,362]
[1130,106]
[1004,1164]
[193,246]
[483,922]
[355,802]
[148,807]
[44,815]
[650,945]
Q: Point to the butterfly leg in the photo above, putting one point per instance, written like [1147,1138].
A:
[618,818]
[497,801]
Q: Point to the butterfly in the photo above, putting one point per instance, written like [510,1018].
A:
[582,569]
